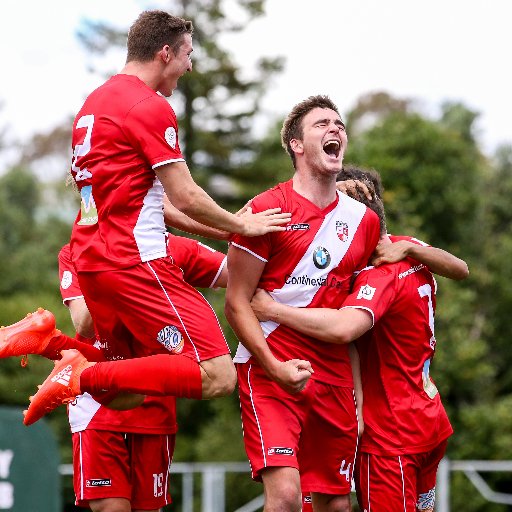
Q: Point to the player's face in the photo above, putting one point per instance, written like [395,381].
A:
[178,65]
[324,141]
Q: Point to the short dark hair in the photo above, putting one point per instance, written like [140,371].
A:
[292,126]
[371,178]
[151,31]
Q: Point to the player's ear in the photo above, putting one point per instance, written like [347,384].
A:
[296,145]
[165,53]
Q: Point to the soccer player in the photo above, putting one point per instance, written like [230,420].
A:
[121,459]
[296,392]
[126,153]
[391,314]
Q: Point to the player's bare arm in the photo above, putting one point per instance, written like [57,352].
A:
[81,318]
[355,363]
[244,273]
[330,325]
[177,219]
[193,201]
[438,261]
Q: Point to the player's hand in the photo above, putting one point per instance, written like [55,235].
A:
[293,375]
[390,253]
[267,221]
[261,304]
[244,208]
[352,188]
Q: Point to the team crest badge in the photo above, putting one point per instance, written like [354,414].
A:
[366,292]
[170,137]
[171,338]
[342,230]
[67,279]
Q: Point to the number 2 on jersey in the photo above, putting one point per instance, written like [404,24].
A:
[84,148]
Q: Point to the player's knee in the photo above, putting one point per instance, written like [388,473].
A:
[218,377]
[331,503]
[282,489]
[287,500]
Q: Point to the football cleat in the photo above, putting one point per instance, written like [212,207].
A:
[60,387]
[28,336]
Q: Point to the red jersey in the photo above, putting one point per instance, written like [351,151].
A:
[157,415]
[122,133]
[402,409]
[310,265]
[201,265]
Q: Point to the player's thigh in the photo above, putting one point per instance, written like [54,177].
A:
[271,420]
[111,505]
[386,484]
[151,456]
[329,442]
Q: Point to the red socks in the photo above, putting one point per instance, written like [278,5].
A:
[157,375]
[63,342]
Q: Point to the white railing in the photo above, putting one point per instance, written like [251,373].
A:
[213,482]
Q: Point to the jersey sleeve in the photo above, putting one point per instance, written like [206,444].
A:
[152,127]
[374,290]
[201,265]
[69,287]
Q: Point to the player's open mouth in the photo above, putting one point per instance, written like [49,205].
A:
[332,147]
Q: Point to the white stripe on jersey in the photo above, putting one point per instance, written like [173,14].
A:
[293,292]
[298,295]
[149,231]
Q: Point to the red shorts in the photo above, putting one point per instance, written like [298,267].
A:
[314,431]
[398,483]
[149,309]
[116,465]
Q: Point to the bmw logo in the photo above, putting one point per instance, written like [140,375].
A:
[321,257]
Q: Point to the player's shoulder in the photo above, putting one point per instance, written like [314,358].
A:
[387,270]
[277,195]
[397,238]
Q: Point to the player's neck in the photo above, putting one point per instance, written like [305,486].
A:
[320,190]
[142,70]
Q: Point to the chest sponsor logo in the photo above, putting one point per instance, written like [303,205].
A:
[98,482]
[171,338]
[170,137]
[67,279]
[321,257]
[342,230]
[278,450]
[366,292]
[297,227]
